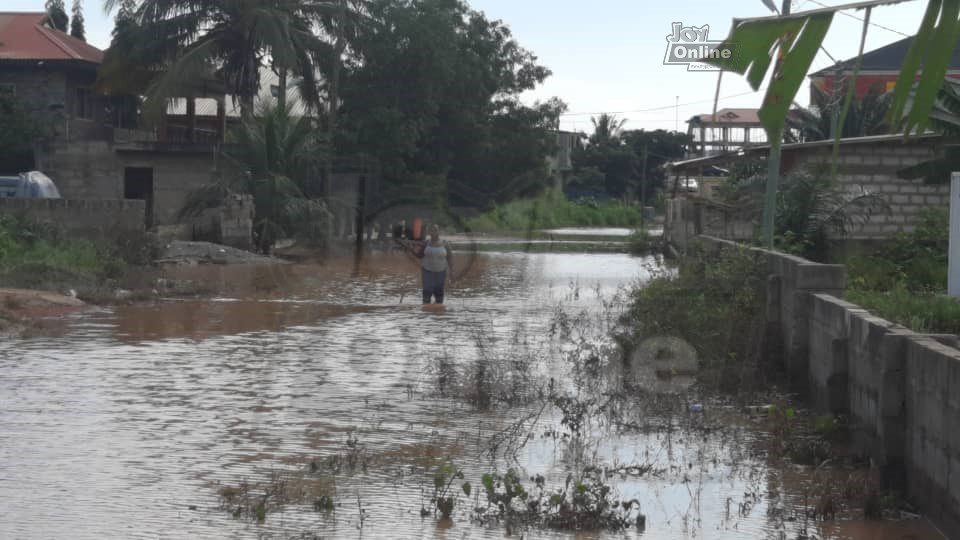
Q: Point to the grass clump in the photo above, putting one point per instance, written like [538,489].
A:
[714,301]
[905,280]
[553,209]
[919,311]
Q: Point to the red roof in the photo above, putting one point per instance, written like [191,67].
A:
[23,36]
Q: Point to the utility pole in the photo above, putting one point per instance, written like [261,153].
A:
[676,116]
[953,268]
[643,190]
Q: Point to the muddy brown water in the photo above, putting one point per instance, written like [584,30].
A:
[131,422]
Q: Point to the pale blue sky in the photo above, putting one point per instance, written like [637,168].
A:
[607,55]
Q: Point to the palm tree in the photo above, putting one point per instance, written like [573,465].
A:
[867,116]
[188,40]
[606,128]
[276,154]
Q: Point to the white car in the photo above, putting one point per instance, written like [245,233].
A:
[28,185]
[689,184]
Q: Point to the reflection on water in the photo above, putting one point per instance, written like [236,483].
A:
[132,422]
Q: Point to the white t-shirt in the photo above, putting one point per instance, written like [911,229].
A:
[435,257]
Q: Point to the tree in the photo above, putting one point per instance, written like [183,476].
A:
[76,22]
[191,40]
[606,129]
[276,154]
[866,116]
[660,147]
[21,130]
[431,91]
[57,13]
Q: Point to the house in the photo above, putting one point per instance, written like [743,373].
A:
[730,129]
[879,70]
[92,152]
[52,75]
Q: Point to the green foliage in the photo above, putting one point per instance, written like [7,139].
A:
[585,503]
[444,497]
[809,207]
[175,49]
[57,13]
[76,22]
[553,209]
[917,261]
[434,89]
[713,301]
[921,312]
[867,116]
[34,254]
[21,128]
[906,278]
[278,155]
[612,163]
[641,242]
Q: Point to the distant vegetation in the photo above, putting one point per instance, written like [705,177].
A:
[553,209]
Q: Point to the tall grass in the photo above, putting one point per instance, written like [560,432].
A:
[905,280]
[553,209]
[35,254]
[920,312]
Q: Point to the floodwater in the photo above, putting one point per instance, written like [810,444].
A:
[331,380]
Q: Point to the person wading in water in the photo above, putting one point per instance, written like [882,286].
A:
[436,259]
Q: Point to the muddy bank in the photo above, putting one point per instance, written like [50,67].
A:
[21,310]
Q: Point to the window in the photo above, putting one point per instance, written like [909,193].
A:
[83,104]
[274,90]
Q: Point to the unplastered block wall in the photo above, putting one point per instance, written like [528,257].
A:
[81,217]
[872,167]
[900,389]
[932,411]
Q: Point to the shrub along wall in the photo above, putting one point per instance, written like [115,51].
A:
[901,389]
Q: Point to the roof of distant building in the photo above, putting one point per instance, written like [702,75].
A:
[888,58]
[728,116]
[26,36]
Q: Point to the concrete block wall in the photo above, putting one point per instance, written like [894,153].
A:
[867,167]
[932,410]
[81,217]
[900,389]
[95,170]
[872,167]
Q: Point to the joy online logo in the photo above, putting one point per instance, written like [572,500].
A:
[690,46]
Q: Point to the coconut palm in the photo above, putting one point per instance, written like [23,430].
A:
[606,128]
[185,41]
[275,155]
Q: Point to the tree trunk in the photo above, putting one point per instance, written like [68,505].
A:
[282,88]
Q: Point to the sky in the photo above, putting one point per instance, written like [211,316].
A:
[607,55]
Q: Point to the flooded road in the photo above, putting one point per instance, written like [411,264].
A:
[301,384]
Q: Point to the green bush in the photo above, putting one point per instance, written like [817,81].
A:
[714,301]
[916,261]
